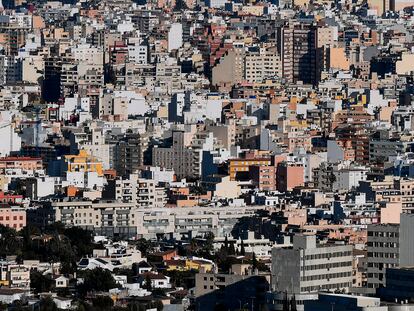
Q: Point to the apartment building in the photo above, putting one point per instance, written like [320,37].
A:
[145,193]
[129,152]
[232,290]
[393,190]
[263,177]
[381,149]
[240,167]
[120,218]
[261,64]
[23,163]
[289,176]
[184,156]
[12,216]
[230,68]
[83,162]
[383,252]
[389,246]
[14,275]
[297,46]
[307,268]
[103,217]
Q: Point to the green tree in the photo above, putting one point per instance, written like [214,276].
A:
[144,246]
[148,284]
[97,279]
[81,241]
[47,304]
[40,283]
[254,261]
[103,303]
[180,5]
[10,242]
[242,250]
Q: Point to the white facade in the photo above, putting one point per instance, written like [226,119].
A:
[175,37]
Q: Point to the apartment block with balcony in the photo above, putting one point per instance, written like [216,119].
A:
[307,268]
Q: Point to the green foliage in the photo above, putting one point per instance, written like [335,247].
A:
[144,246]
[201,247]
[254,261]
[53,244]
[180,5]
[148,284]
[41,283]
[10,242]
[47,304]
[242,249]
[97,279]
[80,239]
[184,279]
[103,303]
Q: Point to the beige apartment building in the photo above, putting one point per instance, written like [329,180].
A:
[144,192]
[381,6]
[265,63]
[126,219]
[230,69]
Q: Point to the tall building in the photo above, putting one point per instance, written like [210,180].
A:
[307,268]
[261,64]
[185,155]
[230,68]
[389,246]
[129,153]
[143,192]
[297,46]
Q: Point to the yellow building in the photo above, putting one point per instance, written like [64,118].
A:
[243,165]
[83,162]
[189,264]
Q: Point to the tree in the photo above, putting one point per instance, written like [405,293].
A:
[97,279]
[180,5]
[254,261]
[103,303]
[144,246]
[10,242]
[81,241]
[242,250]
[47,304]
[231,250]
[148,284]
[40,283]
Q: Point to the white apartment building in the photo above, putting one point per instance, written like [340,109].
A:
[111,218]
[143,192]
